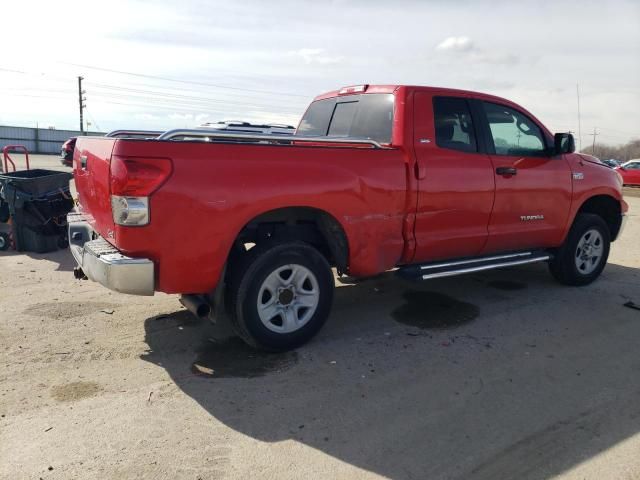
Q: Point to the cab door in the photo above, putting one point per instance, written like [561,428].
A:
[455,179]
[533,187]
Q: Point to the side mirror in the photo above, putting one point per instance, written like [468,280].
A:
[563,143]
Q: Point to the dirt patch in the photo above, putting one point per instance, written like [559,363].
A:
[71,392]
[507,285]
[631,191]
[434,310]
[56,310]
[171,321]
[232,358]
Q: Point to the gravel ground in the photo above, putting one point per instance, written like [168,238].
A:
[504,374]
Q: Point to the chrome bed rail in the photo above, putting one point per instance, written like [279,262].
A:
[213,135]
[133,134]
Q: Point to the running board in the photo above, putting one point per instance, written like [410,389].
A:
[450,268]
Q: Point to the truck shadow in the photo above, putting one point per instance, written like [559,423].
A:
[63,258]
[520,387]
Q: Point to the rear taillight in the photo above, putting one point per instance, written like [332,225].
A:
[138,177]
[132,181]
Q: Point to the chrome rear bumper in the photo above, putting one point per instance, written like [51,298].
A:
[103,263]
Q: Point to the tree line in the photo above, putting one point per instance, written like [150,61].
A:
[624,152]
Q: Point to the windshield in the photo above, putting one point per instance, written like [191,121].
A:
[366,116]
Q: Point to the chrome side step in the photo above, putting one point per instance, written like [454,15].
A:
[469,265]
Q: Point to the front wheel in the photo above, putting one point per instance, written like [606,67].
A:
[583,256]
[280,295]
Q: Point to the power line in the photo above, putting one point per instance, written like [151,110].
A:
[157,97]
[171,89]
[93,120]
[140,93]
[163,106]
[637,132]
[38,74]
[67,98]
[177,104]
[168,79]
[98,99]
[249,102]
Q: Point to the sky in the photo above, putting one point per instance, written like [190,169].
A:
[170,64]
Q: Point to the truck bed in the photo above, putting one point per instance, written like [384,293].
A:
[215,188]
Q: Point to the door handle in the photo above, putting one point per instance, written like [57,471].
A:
[506,171]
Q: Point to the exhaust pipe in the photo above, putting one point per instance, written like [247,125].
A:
[196,304]
[79,274]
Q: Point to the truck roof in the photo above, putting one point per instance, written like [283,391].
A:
[360,89]
[364,89]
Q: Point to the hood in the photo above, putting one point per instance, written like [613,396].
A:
[591,159]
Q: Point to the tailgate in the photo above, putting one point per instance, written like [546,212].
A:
[91,161]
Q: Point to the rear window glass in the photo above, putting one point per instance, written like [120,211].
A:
[354,116]
[343,115]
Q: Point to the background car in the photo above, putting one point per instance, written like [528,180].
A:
[246,127]
[630,172]
[66,152]
[612,163]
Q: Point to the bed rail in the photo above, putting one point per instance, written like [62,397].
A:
[133,134]
[213,135]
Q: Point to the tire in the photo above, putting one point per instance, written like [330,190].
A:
[4,241]
[575,265]
[279,295]
[4,212]
[63,242]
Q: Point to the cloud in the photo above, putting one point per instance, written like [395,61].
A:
[455,44]
[145,116]
[464,46]
[495,58]
[181,116]
[316,55]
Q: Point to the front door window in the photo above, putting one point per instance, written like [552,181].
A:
[513,133]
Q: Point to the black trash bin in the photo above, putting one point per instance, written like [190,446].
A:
[38,202]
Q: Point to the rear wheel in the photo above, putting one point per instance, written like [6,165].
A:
[280,295]
[584,254]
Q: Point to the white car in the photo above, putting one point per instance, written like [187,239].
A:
[246,127]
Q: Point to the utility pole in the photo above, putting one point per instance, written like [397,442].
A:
[593,147]
[81,103]
[579,125]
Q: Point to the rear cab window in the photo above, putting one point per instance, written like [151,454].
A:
[453,124]
[366,116]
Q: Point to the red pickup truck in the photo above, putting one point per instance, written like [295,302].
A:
[431,181]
